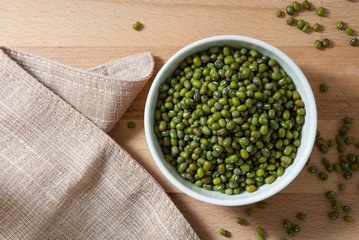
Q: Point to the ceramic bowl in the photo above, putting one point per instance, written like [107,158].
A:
[307,134]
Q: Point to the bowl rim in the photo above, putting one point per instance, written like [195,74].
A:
[310,105]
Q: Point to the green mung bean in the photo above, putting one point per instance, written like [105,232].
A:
[305,28]
[349,140]
[348,120]
[131,125]
[333,215]
[320,11]
[241,221]
[287,224]
[325,161]
[325,42]
[291,232]
[347,175]
[337,167]
[250,211]
[353,42]
[324,87]
[313,169]
[340,24]
[290,20]
[341,148]
[300,24]
[136,25]
[320,141]
[290,10]
[344,166]
[348,218]
[323,176]
[296,228]
[301,216]
[260,231]
[347,209]
[223,232]
[317,134]
[307,5]
[343,131]
[262,205]
[318,44]
[296,6]
[336,205]
[331,194]
[349,31]
[323,148]
[329,167]
[352,158]
[316,27]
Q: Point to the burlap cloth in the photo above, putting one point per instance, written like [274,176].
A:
[61,175]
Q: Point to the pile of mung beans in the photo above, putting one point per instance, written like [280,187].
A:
[305,27]
[229,119]
[347,163]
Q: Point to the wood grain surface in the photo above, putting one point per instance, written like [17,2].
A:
[84,33]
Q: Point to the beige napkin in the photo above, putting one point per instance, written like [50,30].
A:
[61,176]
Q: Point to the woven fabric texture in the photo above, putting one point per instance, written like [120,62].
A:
[61,175]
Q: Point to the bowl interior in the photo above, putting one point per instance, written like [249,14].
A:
[308,131]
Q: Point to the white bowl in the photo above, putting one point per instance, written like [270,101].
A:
[308,131]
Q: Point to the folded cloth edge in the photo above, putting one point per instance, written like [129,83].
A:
[94,71]
[118,82]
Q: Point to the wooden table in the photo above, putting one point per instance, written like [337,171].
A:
[84,33]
